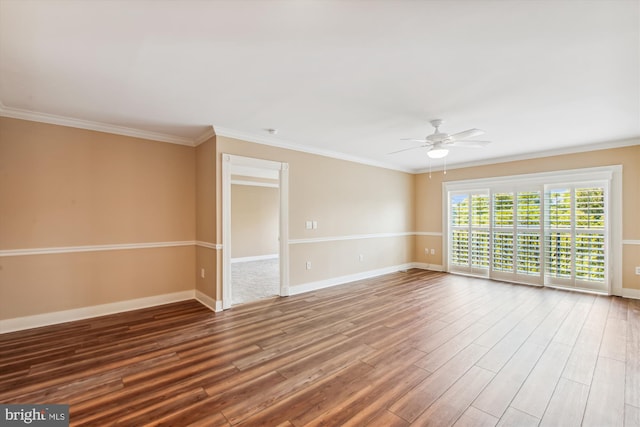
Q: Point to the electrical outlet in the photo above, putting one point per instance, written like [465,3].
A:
[202,273]
[426,251]
[308,265]
[315,225]
[308,225]
[361,257]
[638,271]
[433,251]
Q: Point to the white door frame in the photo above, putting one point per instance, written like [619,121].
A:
[229,161]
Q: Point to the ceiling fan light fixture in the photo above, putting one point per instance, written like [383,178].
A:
[437,153]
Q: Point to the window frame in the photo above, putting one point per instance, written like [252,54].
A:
[609,175]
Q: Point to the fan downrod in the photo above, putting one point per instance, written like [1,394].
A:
[436,123]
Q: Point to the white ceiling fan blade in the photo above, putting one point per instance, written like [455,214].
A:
[410,148]
[469,133]
[469,144]
[423,140]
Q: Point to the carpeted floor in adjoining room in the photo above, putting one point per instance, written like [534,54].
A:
[254,280]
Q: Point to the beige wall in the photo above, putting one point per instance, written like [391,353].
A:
[39,284]
[62,187]
[255,218]
[206,191]
[206,257]
[345,199]
[429,197]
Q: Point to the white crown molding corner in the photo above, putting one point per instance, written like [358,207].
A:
[34,116]
[46,319]
[287,145]
[208,302]
[209,133]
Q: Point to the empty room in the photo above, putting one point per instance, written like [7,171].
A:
[322,212]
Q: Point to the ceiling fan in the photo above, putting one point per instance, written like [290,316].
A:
[439,143]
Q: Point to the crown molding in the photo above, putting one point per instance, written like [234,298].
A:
[34,116]
[279,143]
[538,154]
[209,133]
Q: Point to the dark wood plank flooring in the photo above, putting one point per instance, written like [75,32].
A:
[416,348]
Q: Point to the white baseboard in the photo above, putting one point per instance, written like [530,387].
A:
[208,302]
[425,266]
[334,281]
[46,319]
[631,293]
[254,258]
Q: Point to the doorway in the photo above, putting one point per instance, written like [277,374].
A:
[254,228]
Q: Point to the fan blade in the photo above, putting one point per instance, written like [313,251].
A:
[469,133]
[469,144]
[407,149]
[423,140]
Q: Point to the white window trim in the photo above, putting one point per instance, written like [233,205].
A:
[612,174]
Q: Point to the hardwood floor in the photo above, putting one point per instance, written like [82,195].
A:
[416,348]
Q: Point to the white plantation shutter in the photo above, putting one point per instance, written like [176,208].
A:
[479,232]
[534,231]
[460,248]
[459,225]
[480,249]
[575,229]
[528,254]
[469,244]
[502,265]
[528,232]
[590,234]
[590,257]
[502,251]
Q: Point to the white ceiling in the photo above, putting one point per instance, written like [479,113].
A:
[349,78]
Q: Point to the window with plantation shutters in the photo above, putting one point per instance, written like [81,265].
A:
[590,234]
[516,235]
[575,235]
[558,235]
[459,214]
[528,223]
[479,231]
[469,215]
[503,209]
[532,230]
